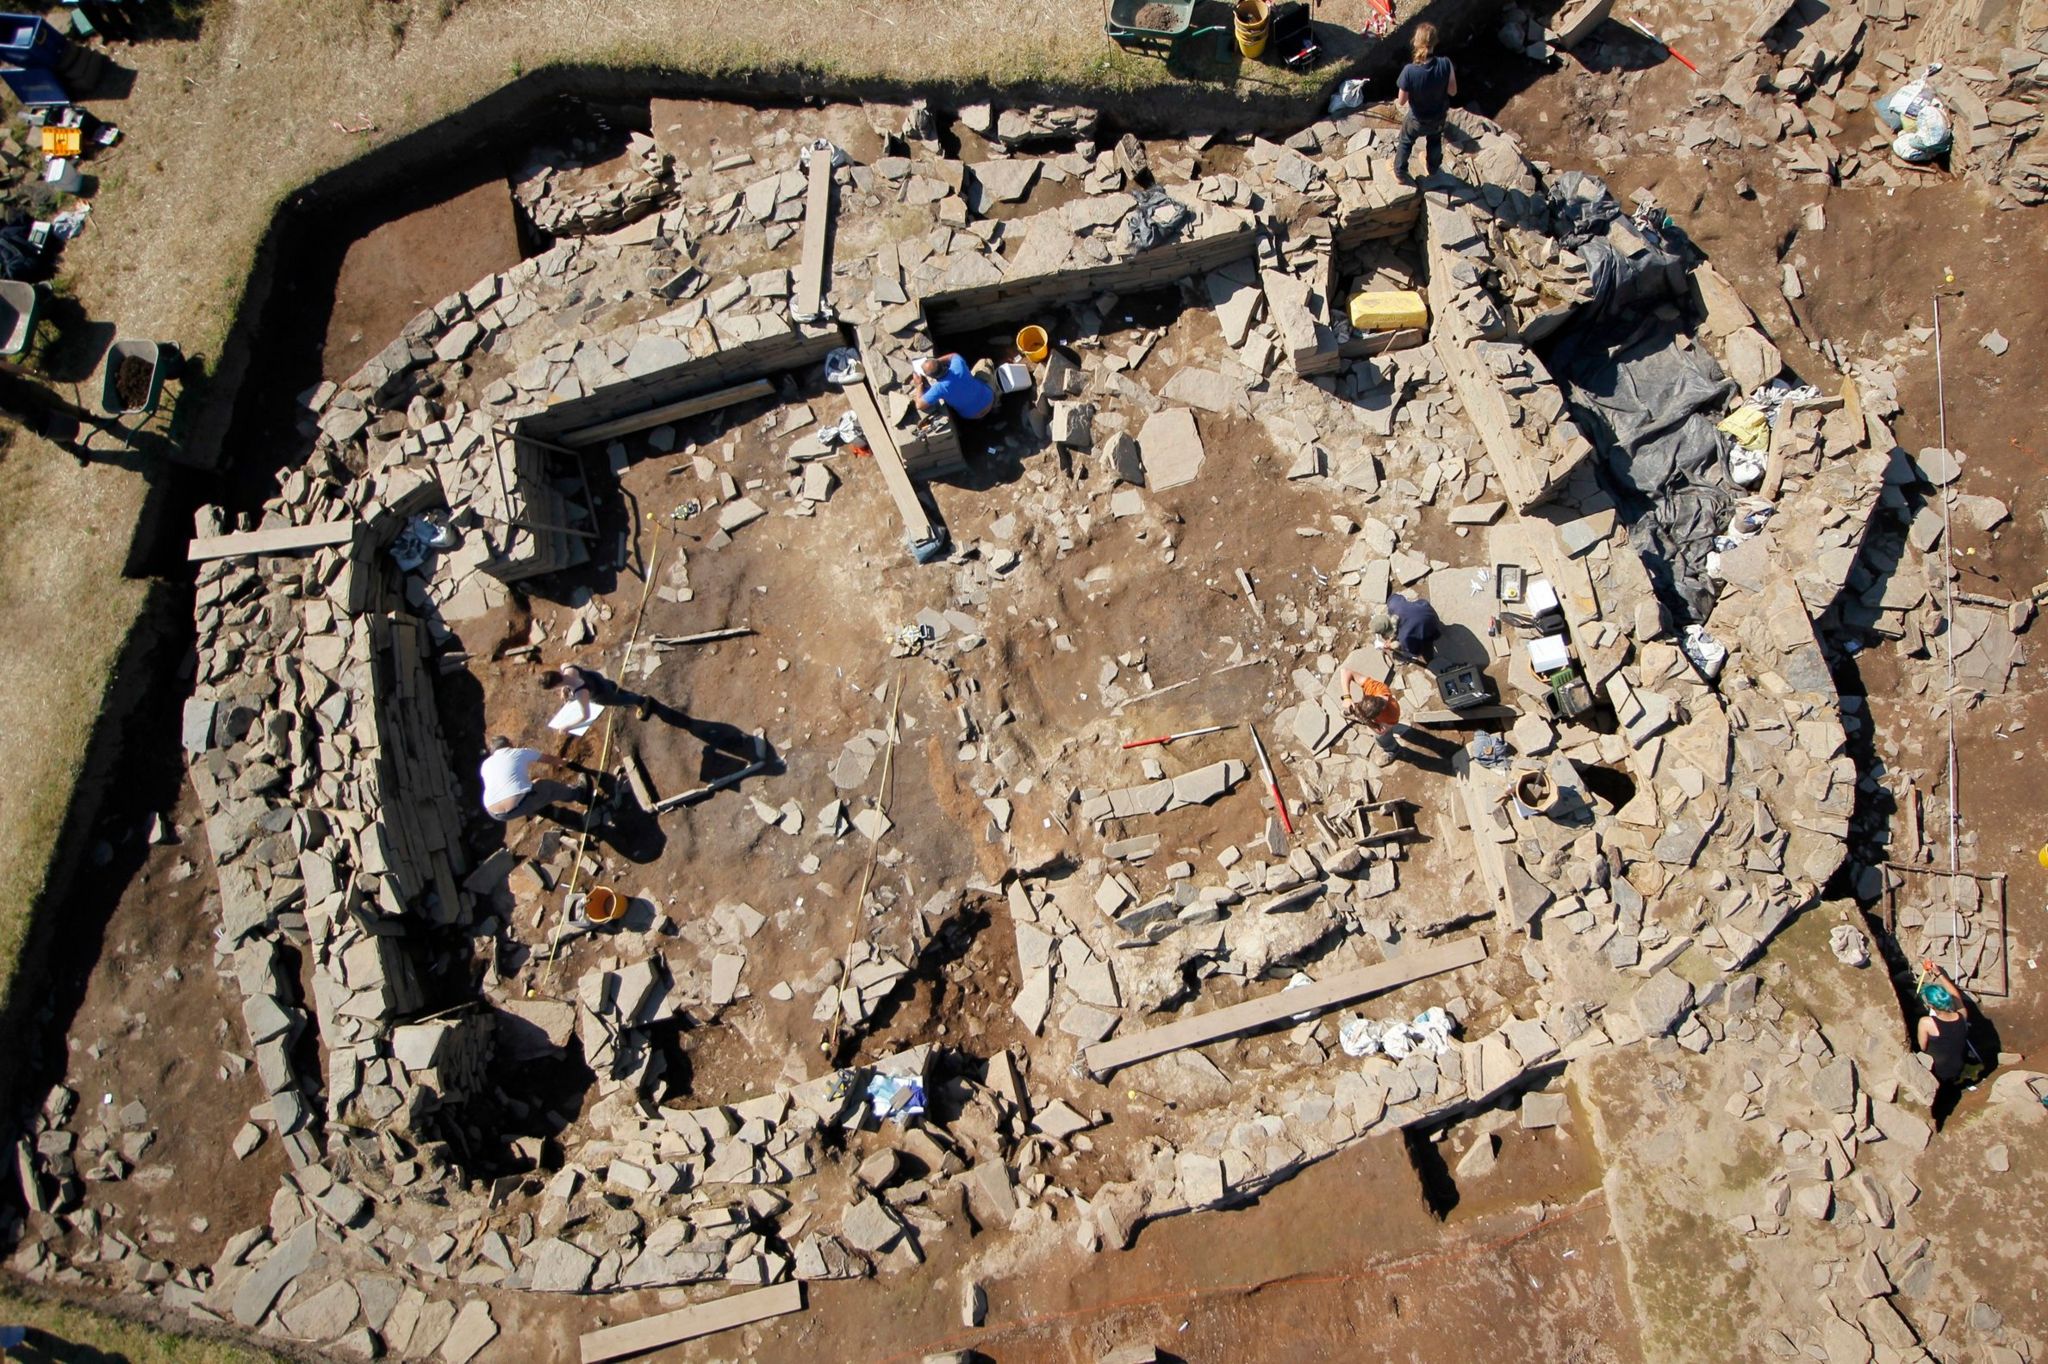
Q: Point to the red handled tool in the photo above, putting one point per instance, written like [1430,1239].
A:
[1636,24]
[1184,734]
[1272,784]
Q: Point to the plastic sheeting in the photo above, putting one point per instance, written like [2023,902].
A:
[1628,263]
[1157,219]
[1650,407]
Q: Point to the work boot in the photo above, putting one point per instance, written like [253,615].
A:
[644,708]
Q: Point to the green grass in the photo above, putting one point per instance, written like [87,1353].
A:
[63,590]
[61,1328]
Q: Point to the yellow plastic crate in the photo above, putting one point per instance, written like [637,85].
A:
[62,141]
[1388,311]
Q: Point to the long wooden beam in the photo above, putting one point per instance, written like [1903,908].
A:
[667,412]
[652,1333]
[809,304]
[1105,1057]
[889,459]
[276,540]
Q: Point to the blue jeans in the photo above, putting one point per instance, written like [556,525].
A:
[1431,131]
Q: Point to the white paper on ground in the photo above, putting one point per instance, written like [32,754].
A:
[570,717]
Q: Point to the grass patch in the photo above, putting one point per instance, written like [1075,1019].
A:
[65,613]
[58,1328]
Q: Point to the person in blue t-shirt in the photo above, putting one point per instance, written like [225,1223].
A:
[1424,94]
[945,381]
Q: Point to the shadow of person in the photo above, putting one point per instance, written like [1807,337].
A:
[618,822]
[1428,751]
[1980,1063]
[727,748]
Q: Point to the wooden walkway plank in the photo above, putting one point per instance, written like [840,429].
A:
[889,459]
[652,1333]
[276,540]
[809,303]
[1104,1057]
[668,412]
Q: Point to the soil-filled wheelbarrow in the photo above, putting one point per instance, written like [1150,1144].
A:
[18,303]
[134,378]
[1148,23]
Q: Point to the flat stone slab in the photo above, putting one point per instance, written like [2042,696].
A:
[473,1329]
[1203,388]
[291,1258]
[325,1315]
[559,1266]
[1205,784]
[1171,446]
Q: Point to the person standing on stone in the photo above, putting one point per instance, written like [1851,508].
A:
[509,789]
[946,381]
[1944,1034]
[1408,629]
[578,682]
[1424,93]
[1370,702]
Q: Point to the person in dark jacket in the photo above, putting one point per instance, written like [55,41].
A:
[1424,93]
[1409,628]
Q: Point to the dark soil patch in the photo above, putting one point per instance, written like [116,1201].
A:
[132,379]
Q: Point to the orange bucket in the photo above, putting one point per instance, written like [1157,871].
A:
[1033,344]
[603,906]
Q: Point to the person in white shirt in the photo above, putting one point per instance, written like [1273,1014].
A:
[509,788]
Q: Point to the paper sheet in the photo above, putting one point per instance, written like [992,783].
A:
[570,717]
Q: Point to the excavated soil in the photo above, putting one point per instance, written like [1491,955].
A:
[1348,1258]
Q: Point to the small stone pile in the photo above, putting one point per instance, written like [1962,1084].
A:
[561,199]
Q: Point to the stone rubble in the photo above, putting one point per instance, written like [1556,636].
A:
[330,796]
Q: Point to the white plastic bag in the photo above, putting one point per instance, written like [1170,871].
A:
[842,367]
[1707,653]
[1359,1037]
[1746,466]
[1849,946]
[1432,1027]
[1350,95]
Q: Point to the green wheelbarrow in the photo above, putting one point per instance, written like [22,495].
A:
[1152,24]
[133,379]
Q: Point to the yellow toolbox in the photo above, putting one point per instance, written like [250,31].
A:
[1388,311]
[62,141]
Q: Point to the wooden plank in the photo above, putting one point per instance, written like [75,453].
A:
[809,305]
[667,412]
[889,460]
[669,1328]
[277,540]
[1104,1057]
[1468,718]
[636,777]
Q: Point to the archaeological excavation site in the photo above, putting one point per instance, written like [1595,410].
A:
[943,727]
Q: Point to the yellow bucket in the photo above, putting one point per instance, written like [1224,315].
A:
[1251,18]
[603,906]
[1033,344]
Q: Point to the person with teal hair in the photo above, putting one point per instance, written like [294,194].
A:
[1944,1034]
